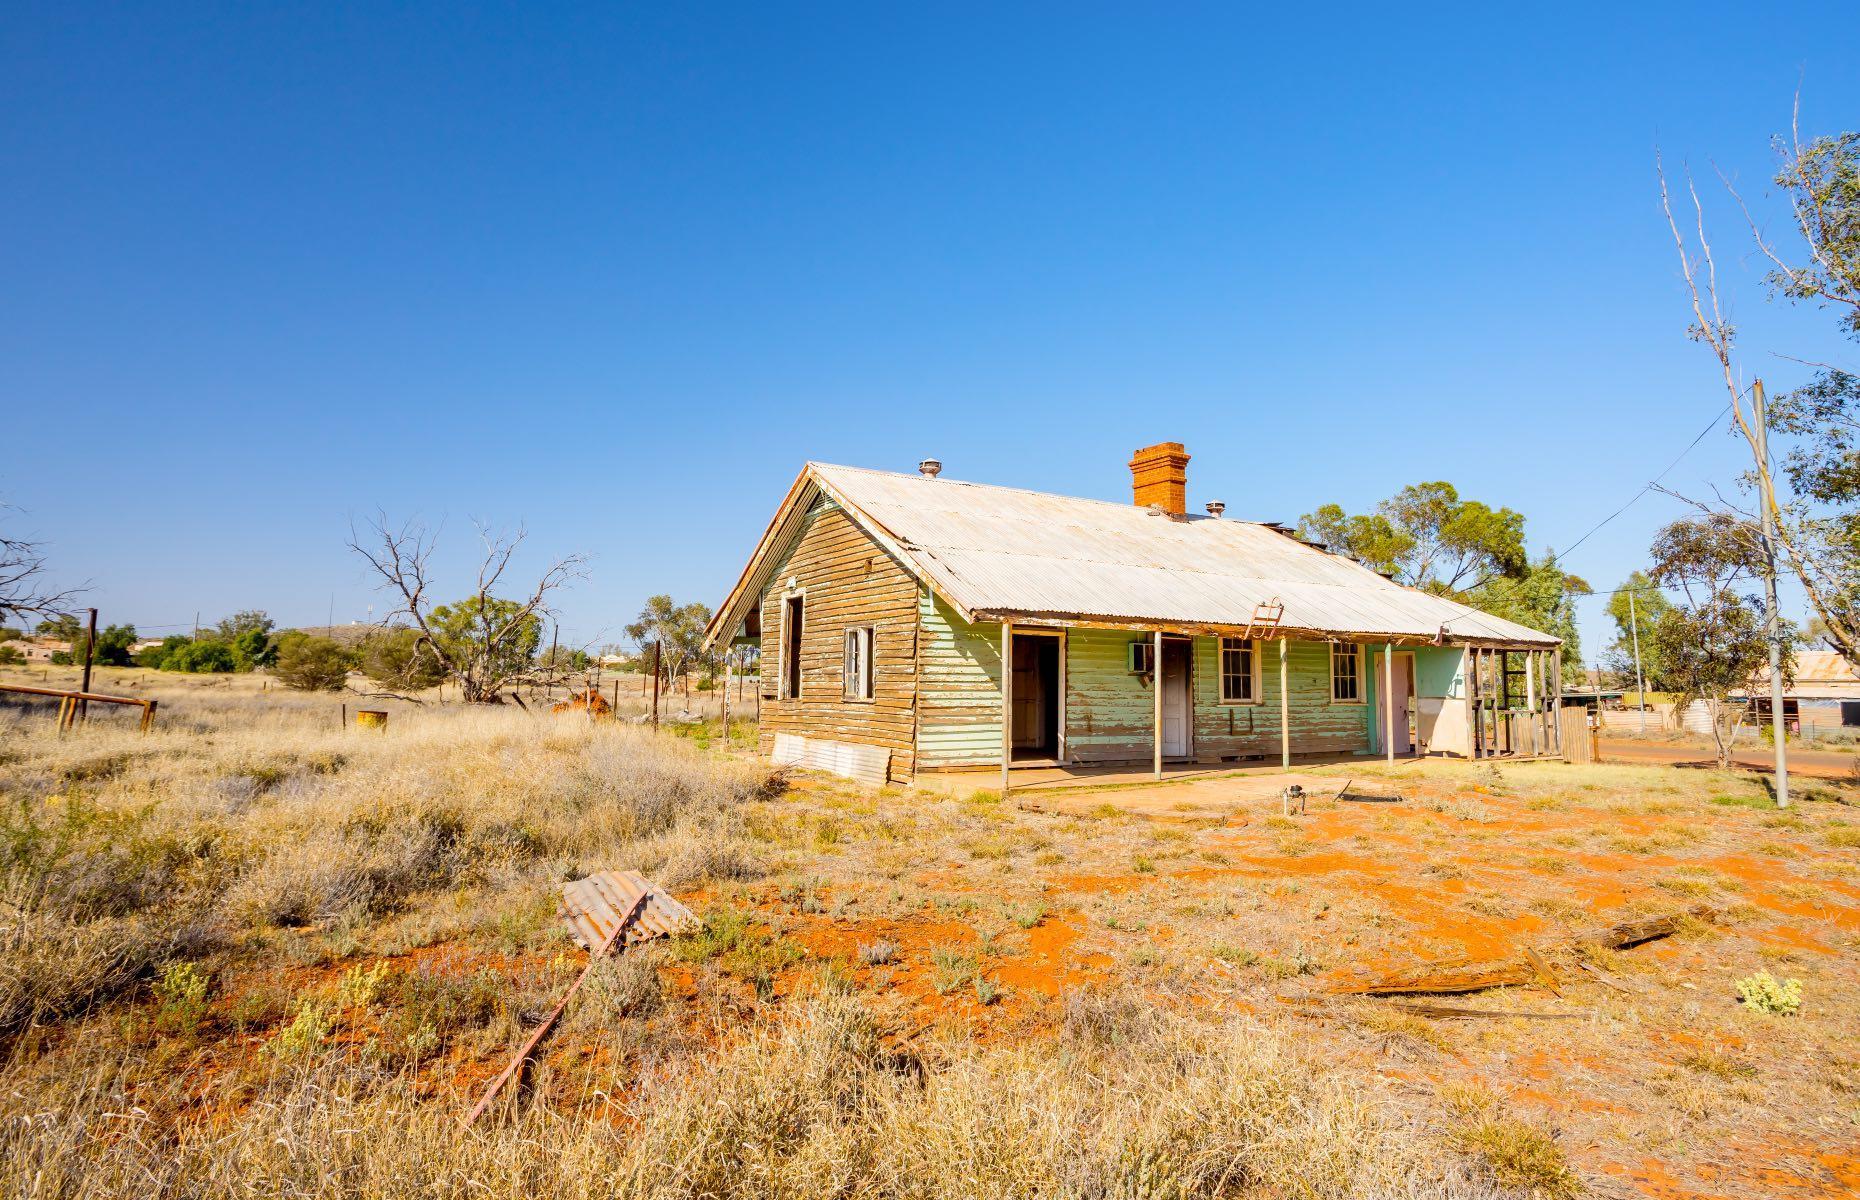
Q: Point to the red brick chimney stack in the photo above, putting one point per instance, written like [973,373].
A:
[1159,477]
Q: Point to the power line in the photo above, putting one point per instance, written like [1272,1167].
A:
[1652,483]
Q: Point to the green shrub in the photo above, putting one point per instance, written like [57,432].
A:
[1767,994]
[305,1034]
[182,991]
[200,658]
[313,664]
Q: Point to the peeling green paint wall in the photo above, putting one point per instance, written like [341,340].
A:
[1110,712]
[959,689]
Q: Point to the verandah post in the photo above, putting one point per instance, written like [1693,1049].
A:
[1007,703]
[1285,710]
[1530,695]
[1388,699]
[1556,701]
[1156,687]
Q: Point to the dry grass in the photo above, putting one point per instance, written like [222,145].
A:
[259,954]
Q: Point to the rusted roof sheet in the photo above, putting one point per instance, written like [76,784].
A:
[592,907]
[1005,553]
[1819,675]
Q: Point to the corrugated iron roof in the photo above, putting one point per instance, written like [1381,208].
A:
[1824,666]
[1819,675]
[1006,553]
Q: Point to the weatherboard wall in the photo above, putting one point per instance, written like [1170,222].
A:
[846,580]
[1110,712]
[959,691]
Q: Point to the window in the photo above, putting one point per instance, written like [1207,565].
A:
[1239,672]
[1346,673]
[858,664]
[791,620]
[1142,658]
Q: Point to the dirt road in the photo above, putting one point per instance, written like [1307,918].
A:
[1823,764]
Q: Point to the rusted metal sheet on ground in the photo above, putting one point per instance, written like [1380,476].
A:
[593,907]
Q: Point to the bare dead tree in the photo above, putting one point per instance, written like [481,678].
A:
[24,590]
[484,643]
[1710,328]
[1822,565]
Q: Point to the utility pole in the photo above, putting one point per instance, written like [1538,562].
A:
[1767,498]
[1640,677]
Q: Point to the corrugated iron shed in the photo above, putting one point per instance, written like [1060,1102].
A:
[1000,553]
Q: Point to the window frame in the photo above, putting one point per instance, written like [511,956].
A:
[788,682]
[1356,654]
[1249,647]
[1140,658]
[866,637]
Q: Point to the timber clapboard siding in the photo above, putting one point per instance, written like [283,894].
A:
[849,581]
[960,690]
[1110,713]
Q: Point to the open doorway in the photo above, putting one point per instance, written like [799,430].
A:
[1036,696]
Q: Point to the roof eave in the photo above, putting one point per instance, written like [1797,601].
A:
[1213,629]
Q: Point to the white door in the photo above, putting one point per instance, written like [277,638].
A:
[1404,687]
[1176,707]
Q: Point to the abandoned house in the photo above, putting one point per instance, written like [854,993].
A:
[886,605]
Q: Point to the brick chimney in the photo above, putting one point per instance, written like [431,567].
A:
[1159,476]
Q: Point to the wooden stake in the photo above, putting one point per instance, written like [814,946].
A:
[655,684]
[90,654]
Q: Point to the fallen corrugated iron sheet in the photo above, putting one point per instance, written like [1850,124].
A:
[594,906]
[606,913]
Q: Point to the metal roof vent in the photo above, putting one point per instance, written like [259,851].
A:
[930,468]
[1216,508]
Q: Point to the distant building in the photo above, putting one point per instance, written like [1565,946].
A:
[1826,692]
[40,650]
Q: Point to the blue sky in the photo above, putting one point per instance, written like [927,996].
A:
[615,273]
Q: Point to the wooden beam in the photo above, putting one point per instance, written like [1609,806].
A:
[1156,686]
[1007,703]
[1285,709]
